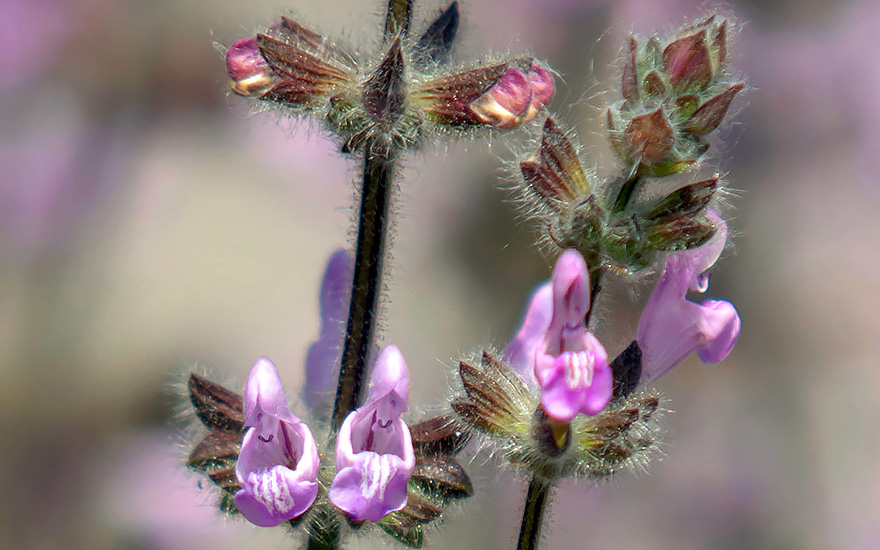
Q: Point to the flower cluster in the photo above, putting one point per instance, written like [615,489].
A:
[277,461]
[598,218]
[380,470]
[404,95]
[590,422]
[551,403]
[675,92]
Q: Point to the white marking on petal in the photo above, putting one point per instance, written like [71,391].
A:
[578,369]
[271,490]
[376,473]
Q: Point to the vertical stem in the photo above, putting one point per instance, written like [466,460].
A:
[324,540]
[533,514]
[367,281]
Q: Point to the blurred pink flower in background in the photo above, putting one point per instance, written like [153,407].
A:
[33,32]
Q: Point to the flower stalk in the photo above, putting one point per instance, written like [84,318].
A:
[533,513]
[376,195]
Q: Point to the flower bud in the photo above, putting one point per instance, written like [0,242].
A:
[649,138]
[503,95]
[250,74]
[507,103]
[543,88]
[688,63]
[555,173]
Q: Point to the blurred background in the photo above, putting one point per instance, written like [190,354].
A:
[151,224]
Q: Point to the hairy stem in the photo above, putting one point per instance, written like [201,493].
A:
[324,534]
[324,541]
[367,281]
[533,513]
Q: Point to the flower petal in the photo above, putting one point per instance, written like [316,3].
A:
[373,487]
[720,328]
[520,352]
[270,496]
[671,327]
[390,377]
[576,382]
[264,396]
[699,260]
[571,301]
[322,360]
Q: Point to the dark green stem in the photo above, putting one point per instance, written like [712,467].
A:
[324,540]
[533,513]
[627,190]
[367,281]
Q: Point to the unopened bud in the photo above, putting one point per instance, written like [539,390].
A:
[687,62]
[507,103]
[718,44]
[653,85]
[649,138]
[679,232]
[543,86]
[250,74]
[555,173]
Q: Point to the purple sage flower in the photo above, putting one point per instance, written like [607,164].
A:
[568,361]
[672,327]
[520,352]
[277,467]
[374,451]
[322,360]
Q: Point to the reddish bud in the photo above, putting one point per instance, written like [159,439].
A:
[250,74]
[688,63]
[711,113]
[649,138]
[506,104]
[543,86]
[447,100]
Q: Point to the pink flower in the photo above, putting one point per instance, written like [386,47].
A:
[374,451]
[672,327]
[324,355]
[517,97]
[568,362]
[277,467]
